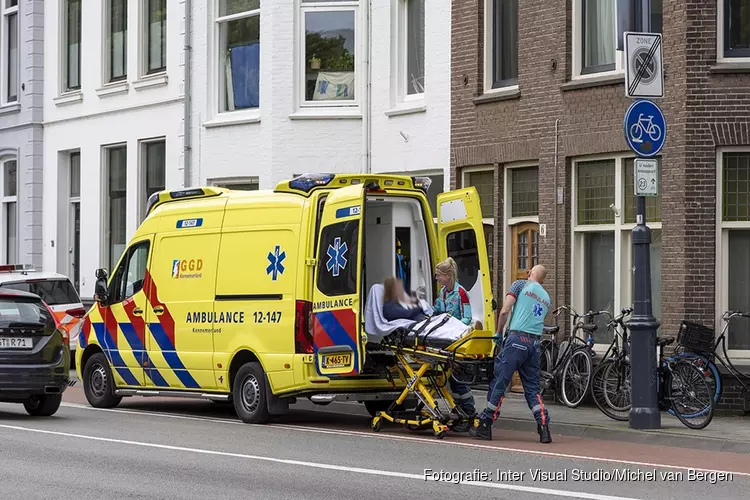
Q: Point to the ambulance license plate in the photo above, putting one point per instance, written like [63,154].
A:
[337,360]
[15,343]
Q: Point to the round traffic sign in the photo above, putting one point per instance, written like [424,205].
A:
[642,184]
[645,128]
[642,57]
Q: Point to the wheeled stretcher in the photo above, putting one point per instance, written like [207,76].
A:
[426,355]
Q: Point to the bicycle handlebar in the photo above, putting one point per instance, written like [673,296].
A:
[619,319]
[576,316]
[733,314]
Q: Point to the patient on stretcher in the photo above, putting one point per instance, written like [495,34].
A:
[397,304]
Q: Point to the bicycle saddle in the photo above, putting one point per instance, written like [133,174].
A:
[664,341]
[550,329]
[588,327]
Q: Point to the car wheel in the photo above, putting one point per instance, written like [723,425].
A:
[98,383]
[43,405]
[249,394]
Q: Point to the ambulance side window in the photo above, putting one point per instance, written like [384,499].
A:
[128,279]
[337,259]
[462,246]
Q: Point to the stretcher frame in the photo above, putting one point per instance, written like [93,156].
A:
[429,382]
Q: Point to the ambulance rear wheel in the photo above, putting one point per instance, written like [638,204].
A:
[249,394]
[98,383]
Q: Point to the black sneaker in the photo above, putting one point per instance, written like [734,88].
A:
[482,429]
[463,425]
[545,436]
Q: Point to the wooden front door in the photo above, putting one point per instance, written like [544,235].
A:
[525,249]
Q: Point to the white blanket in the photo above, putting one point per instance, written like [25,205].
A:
[376,326]
[452,330]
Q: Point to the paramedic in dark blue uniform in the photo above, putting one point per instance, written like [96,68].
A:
[520,351]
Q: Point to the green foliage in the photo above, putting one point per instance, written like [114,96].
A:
[331,52]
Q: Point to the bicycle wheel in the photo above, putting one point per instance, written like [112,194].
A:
[690,395]
[709,369]
[610,388]
[576,377]
[655,132]
[548,355]
[636,132]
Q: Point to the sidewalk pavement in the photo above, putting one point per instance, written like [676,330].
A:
[724,433]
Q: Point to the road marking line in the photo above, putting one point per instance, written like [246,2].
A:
[315,465]
[432,441]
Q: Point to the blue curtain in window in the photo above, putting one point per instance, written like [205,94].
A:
[245,60]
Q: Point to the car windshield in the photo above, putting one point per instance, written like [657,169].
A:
[23,311]
[54,291]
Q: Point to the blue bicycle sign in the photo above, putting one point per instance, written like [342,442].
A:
[645,128]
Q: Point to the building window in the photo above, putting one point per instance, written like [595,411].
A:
[115,209]
[72,45]
[735,245]
[602,244]
[484,182]
[74,222]
[413,18]
[153,171]
[238,183]
[238,25]
[117,40]
[524,194]
[501,44]
[10,211]
[734,28]
[329,47]
[10,57]
[595,33]
[155,36]
[656,16]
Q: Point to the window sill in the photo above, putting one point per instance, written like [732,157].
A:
[723,68]
[230,119]
[407,108]
[7,109]
[112,89]
[498,95]
[151,81]
[68,98]
[593,81]
[326,114]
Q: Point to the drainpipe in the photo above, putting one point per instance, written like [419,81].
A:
[557,269]
[366,106]
[187,101]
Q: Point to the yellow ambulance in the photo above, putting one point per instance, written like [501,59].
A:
[258,298]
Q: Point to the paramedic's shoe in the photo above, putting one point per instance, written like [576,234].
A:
[463,426]
[545,436]
[482,429]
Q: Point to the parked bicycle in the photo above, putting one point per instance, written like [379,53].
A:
[610,383]
[567,368]
[696,343]
[682,388]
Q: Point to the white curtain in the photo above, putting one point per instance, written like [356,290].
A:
[599,33]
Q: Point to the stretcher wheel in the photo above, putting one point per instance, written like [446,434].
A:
[413,427]
[440,434]
[377,424]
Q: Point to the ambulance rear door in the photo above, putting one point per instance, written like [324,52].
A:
[461,236]
[337,303]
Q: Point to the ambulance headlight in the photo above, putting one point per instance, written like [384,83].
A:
[307,182]
[422,183]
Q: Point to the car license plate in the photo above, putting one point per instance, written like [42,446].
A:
[16,343]
[337,360]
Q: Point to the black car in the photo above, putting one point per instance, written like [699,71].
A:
[34,354]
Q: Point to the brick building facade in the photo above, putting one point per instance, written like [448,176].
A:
[538,102]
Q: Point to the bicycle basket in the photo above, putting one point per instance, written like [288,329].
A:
[695,337]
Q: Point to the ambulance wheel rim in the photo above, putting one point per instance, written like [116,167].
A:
[251,394]
[98,381]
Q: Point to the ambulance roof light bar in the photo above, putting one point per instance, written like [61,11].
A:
[422,183]
[11,268]
[180,194]
[307,182]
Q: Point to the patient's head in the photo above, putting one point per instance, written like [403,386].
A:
[393,289]
[446,273]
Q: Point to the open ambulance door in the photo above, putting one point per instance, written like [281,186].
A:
[338,341]
[461,236]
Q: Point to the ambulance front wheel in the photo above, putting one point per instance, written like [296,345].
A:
[98,382]
[249,394]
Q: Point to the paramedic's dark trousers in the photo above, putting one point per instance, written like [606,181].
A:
[520,352]
[463,397]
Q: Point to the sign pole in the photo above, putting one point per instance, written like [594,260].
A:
[646,139]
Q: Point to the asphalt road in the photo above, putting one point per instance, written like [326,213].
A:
[194,450]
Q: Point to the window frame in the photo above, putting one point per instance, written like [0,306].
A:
[145,40]
[722,38]
[108,45]
[403,54]
[577,56]
[143,172]
[722,249]
[65,88]
[107,259]
[219,77]
[122,265]
[623,279]
[505,86]
[6,201]
[359,49]
[7,12]
[72,202]
[509,221]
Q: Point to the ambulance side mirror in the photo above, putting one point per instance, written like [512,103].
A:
[101,294]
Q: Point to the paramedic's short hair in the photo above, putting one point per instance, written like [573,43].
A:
[448,268]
